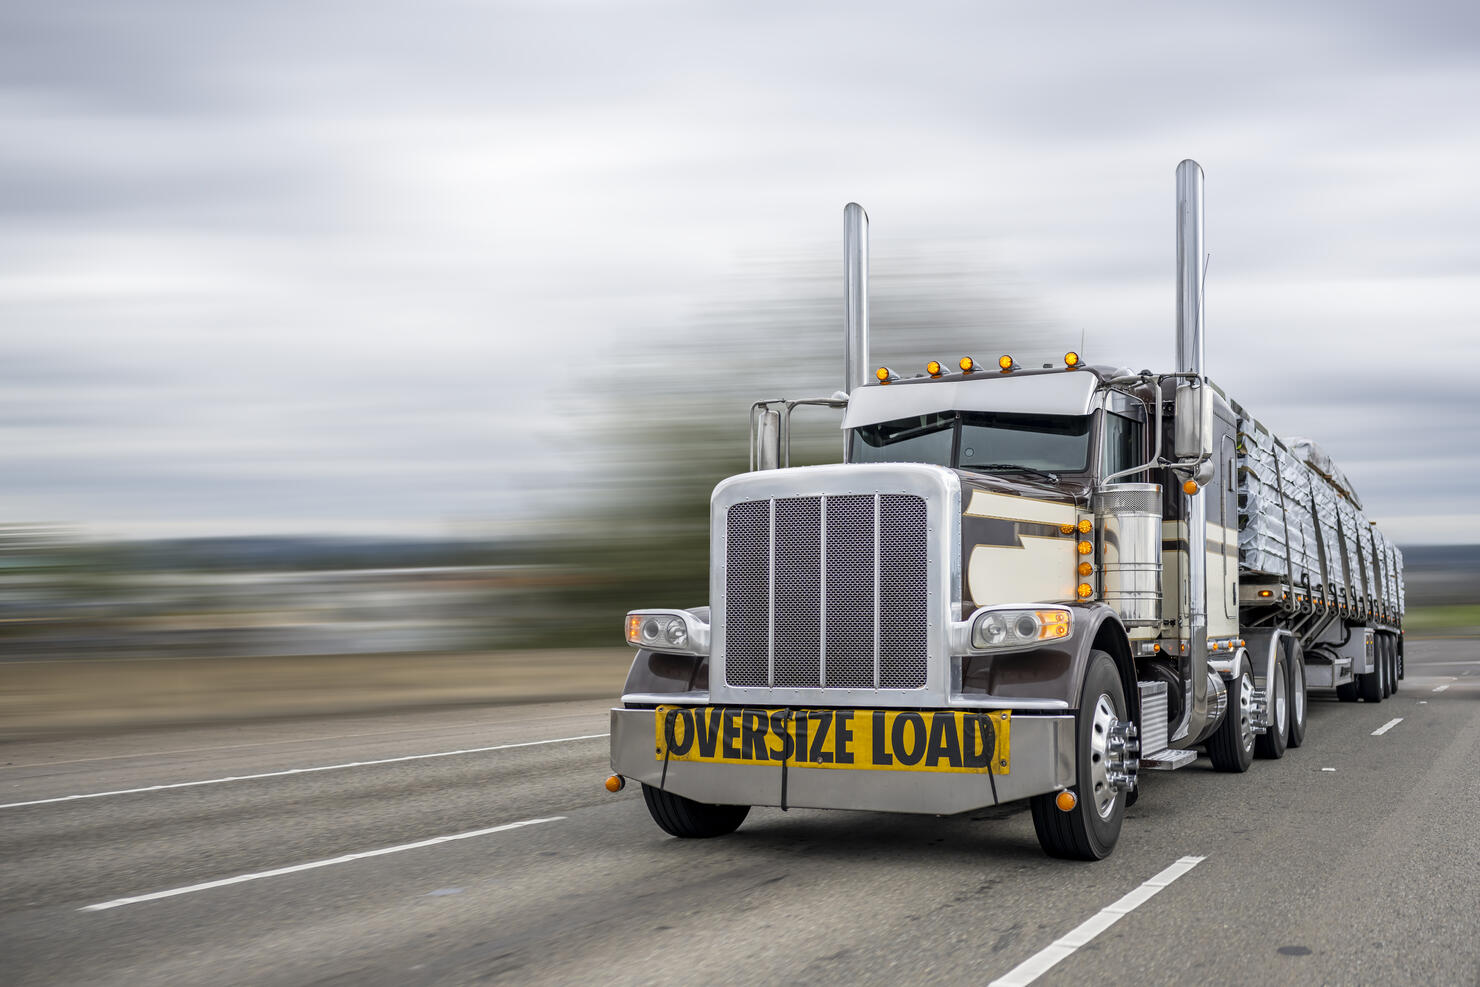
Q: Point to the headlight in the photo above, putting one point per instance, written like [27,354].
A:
[675,631]
[1014,628]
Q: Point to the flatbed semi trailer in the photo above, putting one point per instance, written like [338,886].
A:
[1021,583]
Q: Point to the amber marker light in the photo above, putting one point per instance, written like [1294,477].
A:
[1190,487]
[1066,529]
[1085,548]
[1085,568]
[1266,593]
[1071,359]
[1005,362]
[615,783]
[1052,623]
[933,368]
[967,364]
[1085,526]
[883,374]
[1066,801]
[1086,591]
[634,629]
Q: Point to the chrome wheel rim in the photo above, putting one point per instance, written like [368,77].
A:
[1246,711]
[1299,697]
[1281,703]
[1102,791]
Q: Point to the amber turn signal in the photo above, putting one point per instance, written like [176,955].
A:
[1085,568]
[1084,526]
[615,783]
[1066,801]
[1085,548]
[1190,487]
[1086,591]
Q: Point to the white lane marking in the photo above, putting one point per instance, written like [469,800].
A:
[1441,688]
[302,771]
[1387,726]
[312,865]
[1423,702]
[1045,959]
[1328,769]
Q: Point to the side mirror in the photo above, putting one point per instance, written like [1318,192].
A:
[1192,436]
[768,440]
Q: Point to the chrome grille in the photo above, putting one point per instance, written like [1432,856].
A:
[827,592]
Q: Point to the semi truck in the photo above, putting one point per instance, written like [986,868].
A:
[1021,583]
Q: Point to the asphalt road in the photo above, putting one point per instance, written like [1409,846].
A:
[1355,859]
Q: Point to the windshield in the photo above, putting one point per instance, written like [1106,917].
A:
[983,440]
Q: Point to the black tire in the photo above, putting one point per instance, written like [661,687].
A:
[1388,672]
[1398,644]
[690,820]
[1347,691]
[1272,742]
[1298,697]
[1231,747]
[1369,684]
[1392,653]
[1084,833]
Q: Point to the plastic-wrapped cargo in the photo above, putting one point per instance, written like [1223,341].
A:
[1298,513]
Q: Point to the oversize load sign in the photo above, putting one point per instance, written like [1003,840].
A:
[861,739]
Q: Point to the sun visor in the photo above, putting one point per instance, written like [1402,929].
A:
[1040,394]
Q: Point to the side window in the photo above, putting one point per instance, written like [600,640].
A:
[1124,446]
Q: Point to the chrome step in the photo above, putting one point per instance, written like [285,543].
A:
[1168,760]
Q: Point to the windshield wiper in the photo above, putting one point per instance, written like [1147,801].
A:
[993,467]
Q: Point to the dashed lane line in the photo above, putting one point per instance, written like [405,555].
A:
[1387,726]
[311,865]
[302,771]
[1441,688]
[1045,959]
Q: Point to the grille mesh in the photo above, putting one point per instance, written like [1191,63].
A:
[847,577]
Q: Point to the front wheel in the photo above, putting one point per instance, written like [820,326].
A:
[1090,830]
[687,819]
[1231,747]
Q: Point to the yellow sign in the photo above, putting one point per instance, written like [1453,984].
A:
[861,739]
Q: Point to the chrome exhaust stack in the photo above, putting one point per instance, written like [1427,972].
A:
[1203,711]
[855,297]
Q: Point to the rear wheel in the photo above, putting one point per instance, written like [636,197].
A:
[1276,737]
[1392,653]
[1383,662]
[1231,747]
[678,816]
[1090,830]
[1297,693]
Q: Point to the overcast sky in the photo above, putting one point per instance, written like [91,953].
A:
[278,266]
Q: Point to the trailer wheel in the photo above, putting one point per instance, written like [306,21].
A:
[687,819]
[1090,830]
[1276,737]
[1369,684]
[1297,694]
[1391,641]
[1398,644]
[1231,747]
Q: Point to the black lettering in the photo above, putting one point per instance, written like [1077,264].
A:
[905,754]
[881,749]
[944,744]
[709,720]
[979,728]
[753,735]
[844,736]
[801,749]
[676,747]
[732,734]
[820,753]
[778,730]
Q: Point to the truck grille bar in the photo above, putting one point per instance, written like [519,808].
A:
[827,592]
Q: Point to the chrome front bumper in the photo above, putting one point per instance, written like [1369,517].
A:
[1042,760]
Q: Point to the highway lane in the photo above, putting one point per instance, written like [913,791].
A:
[1367,872]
